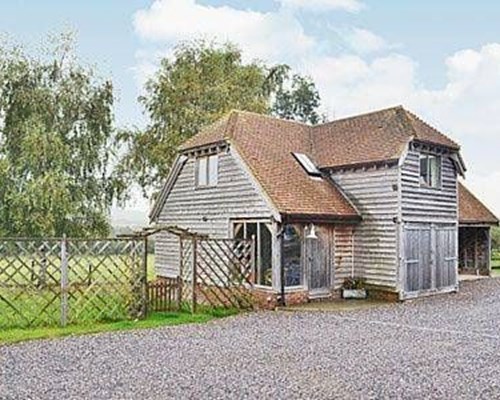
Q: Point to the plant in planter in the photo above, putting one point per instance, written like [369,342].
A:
[354,288]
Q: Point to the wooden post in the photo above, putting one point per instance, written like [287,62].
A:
[476,258]
[195,273]
[488,251]
[144,281]
[255,279]
[64,282]
[180,277]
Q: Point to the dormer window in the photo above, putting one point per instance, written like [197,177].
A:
[430,170]
[306,163]
[207,170]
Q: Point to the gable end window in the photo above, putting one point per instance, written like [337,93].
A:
[430,170]
[207,171]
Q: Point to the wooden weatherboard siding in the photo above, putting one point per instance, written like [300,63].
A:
[374,192]
[421,204]
[429,229]
[343,254]
[208,210]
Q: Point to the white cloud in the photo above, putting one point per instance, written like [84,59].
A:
[264,35]
[363,41]
[323,5]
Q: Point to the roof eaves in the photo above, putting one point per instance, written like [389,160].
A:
[363,164]
[179,162]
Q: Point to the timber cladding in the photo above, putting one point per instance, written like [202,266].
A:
[375,244]
[207,210]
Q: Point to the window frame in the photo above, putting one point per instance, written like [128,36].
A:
[211,180]
[303,276]
[424,183]
[258,222]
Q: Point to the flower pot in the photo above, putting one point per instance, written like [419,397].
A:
[354,293]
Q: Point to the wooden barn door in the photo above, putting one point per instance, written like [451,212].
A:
[318,257]
[430,257]
[446,256]
[417,241]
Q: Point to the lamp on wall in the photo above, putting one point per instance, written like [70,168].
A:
[312,232]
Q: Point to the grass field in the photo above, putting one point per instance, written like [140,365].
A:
[155,320]
[99,289]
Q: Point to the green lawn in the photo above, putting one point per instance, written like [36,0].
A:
[153,321]
[496,272]
[99,289]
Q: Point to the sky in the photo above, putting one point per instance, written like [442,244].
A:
[440,59]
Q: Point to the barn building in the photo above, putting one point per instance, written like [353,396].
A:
[375,196]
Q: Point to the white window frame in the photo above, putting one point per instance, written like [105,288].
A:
[244,222]
[211,174]
[423,182]
[307,164]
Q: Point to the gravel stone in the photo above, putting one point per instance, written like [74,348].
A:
[438,347]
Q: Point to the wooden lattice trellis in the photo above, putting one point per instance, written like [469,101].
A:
[61,281]
[217,272]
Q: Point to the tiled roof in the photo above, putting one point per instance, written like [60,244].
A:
[266,144]
[471,210]
[373,137]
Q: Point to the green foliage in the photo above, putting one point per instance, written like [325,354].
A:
[495,238]
[199,85]
[56,136]
[354,283]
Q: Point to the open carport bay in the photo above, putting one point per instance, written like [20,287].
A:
[440,347]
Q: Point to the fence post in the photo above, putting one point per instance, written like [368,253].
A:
[195,273]
[64,282]
[180,278]
[144,280]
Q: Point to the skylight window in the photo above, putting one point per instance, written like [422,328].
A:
[307,164]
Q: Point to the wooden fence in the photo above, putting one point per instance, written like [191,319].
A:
[62,281]
[217,272]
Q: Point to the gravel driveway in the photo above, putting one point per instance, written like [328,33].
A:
[441,347]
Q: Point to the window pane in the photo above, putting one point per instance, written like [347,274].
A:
[435,171]
[265,264]
[239,233]
[424,169]
[213,166]
[292,249]
[251,231]
[201,179]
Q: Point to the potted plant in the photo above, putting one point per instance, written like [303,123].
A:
[354,288]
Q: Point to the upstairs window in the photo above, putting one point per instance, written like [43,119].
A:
[430,170]
[207,170]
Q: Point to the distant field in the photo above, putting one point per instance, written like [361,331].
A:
[99,289]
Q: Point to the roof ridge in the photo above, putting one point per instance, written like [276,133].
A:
[232,121]
[267,116]
[359,115]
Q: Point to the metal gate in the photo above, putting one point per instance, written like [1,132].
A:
[430,257]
